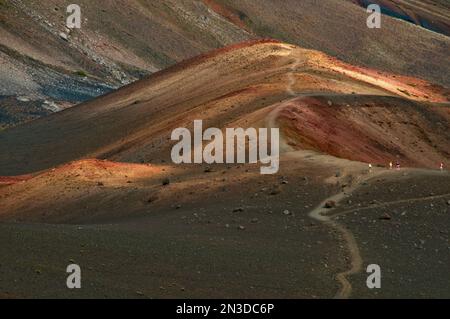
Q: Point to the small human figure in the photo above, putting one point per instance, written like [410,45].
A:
[370,167]
[442,166]
[390,165]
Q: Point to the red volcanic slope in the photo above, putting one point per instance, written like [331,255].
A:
[368,129]
[410,87]
[10,180]
[96,165]
[229,13]
[89,167]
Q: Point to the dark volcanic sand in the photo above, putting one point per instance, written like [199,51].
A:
[413,246]
[195,251]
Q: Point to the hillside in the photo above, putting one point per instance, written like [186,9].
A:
[95,185]
[118,43]
[433,15]
[46,67]
[339,29]
[238,84]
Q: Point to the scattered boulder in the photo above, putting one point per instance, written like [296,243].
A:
[238,210]
[152,199]
[166,181]
[22,99]
[64,36]
[385,216]
[330,204]
[275,191]
[286,212]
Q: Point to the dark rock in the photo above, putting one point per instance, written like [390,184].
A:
[64,36]
[385,217]
[152,198]
[330,204]
[275,191]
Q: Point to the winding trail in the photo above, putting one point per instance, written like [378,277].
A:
[387,204]
[320,213]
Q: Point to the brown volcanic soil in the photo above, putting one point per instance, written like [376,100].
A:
[217,234]
[212,231]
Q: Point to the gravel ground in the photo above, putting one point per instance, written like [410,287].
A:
[401,222]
